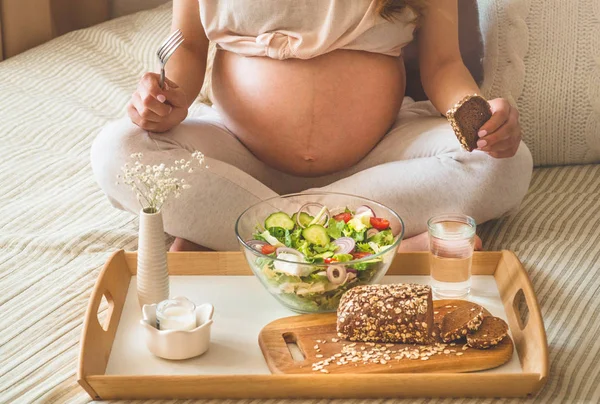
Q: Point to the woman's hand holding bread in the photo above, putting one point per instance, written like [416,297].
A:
[501,135]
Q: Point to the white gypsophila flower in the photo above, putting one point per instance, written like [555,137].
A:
[155,184]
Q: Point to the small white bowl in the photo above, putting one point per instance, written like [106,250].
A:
[175,344]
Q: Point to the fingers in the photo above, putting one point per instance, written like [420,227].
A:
[501,135]
[505,149]
[491,142]
[143,111]
[146,111]
[150,101]
[170,83]
[138,120]
[150,81]
[175,96]
[505,136]
[160,100]
[501,111]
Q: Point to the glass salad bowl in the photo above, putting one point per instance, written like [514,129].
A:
[308,249]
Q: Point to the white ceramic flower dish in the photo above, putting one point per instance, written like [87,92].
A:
[175,344]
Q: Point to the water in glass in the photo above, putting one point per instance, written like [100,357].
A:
[451,242]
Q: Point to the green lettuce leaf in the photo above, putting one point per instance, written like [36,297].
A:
[258,236]
[303,247]
[296,237]
[343,257]
[358,236]
[364,247]
[328,247]
[281,234]
[335,228]
[383,238]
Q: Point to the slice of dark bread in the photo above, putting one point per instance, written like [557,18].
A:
[461,321]
[490,333]
[467,117]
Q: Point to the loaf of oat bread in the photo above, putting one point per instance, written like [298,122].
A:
[386,313]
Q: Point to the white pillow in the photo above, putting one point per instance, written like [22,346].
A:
[544,56]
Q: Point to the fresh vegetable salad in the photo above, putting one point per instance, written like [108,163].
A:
[331,242]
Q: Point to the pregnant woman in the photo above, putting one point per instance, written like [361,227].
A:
[309,95]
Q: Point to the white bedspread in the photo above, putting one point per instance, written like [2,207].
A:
[57,229]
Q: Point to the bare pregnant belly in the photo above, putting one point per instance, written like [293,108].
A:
[309,117]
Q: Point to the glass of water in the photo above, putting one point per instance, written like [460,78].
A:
[451,244]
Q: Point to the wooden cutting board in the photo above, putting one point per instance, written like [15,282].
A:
[305,332]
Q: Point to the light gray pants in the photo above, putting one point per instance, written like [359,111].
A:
[417,169]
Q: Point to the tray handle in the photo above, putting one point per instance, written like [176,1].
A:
[97,339]
[530,337]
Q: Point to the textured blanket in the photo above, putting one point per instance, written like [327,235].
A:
[57,229]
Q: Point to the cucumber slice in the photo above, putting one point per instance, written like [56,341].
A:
[316,234]
[305,219]
[279,219]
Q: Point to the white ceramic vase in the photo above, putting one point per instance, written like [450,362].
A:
[152,273]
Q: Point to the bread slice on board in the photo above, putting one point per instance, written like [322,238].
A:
[460,322]
[467,117]
[491,331]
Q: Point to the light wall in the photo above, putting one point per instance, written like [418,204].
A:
[124,7]
[28,23]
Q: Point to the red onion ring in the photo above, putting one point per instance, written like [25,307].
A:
[364,208]
[288,250]
[371,232]
[256,244]
[345,245]
[341,274]
[305,207]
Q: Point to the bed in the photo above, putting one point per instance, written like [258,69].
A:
[57,228]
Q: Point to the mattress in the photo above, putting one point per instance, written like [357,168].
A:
[57,228]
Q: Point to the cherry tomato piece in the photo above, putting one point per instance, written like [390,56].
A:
[345,216]
[379,223]
[329,260]
[359,255]
[267,249]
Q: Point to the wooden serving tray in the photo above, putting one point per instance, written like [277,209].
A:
[197,381]
[308,333]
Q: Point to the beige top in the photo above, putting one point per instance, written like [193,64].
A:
[282,29]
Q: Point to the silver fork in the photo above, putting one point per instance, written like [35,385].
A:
[166,50]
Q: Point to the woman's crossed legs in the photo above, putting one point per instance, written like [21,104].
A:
[417,169]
